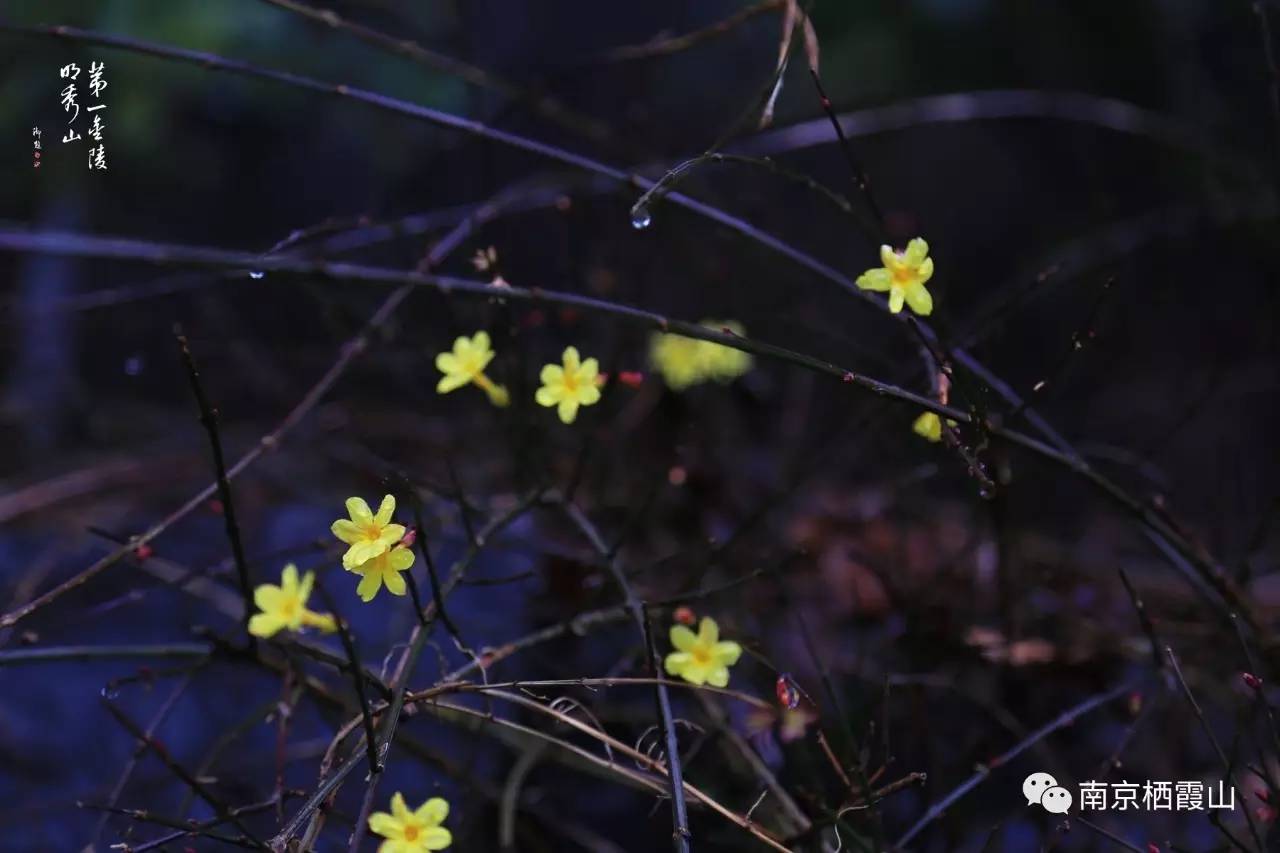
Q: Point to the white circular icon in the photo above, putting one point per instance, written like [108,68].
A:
[1056,800]
[1034,786]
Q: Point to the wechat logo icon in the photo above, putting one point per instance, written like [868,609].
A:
[1044,789]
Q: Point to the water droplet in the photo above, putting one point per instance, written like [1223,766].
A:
[110,691]
[640,218]
[256,274]
[133,365]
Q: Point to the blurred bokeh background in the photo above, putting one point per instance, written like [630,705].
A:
[1091,172]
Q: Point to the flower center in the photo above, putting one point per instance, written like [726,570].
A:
[570,382]
[410,833]
[701,654]
[289,608]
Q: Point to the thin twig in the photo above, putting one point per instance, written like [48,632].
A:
[209,419]
[860,178]
[357,676]
[1227,768]
[540,104]
[679,810]
[1063,720]
[219,807]
[159,717]
[1144,619]
[684,41]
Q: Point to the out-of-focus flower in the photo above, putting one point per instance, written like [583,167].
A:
[485,259]
[903,275]
[384,569]
[794,723]
[466,364]
[685,362]
[284,607]
[570,385]
[684,615]
[368,535]
[412,831]
[929,426]
[702,658]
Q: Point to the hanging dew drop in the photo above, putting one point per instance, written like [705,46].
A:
[640,218]
[256,274]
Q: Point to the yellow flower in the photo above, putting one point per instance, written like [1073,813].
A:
[368,535]
[702,658]
[384,569]
[466,364]
[684,362]
[676,358]
[569,386]
[285,606]
[929,426]
[412,831]
[903,275]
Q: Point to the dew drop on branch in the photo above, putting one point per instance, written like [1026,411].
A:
[640,218]
[256,274]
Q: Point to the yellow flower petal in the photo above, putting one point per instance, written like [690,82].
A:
[433,812]
[572,361]
[381,823]
[265,624]
[394,581]
[436,838]
[451,382]
[546,396]
[399,808]
[369,586]
[289,579]
[928,426]
[708,631]
[359,511]
[304,588]
[391,534]
[346,530]
[919,299]
[552,374]
[896,298]
[682,638]
[718,676]
[889,258]
[925,272]
[447,363]
[676,662]
[878,280]
[917,251]
[568,410]
[401,558]
[726,653]
[362,552]
[267,596]
[385,509]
